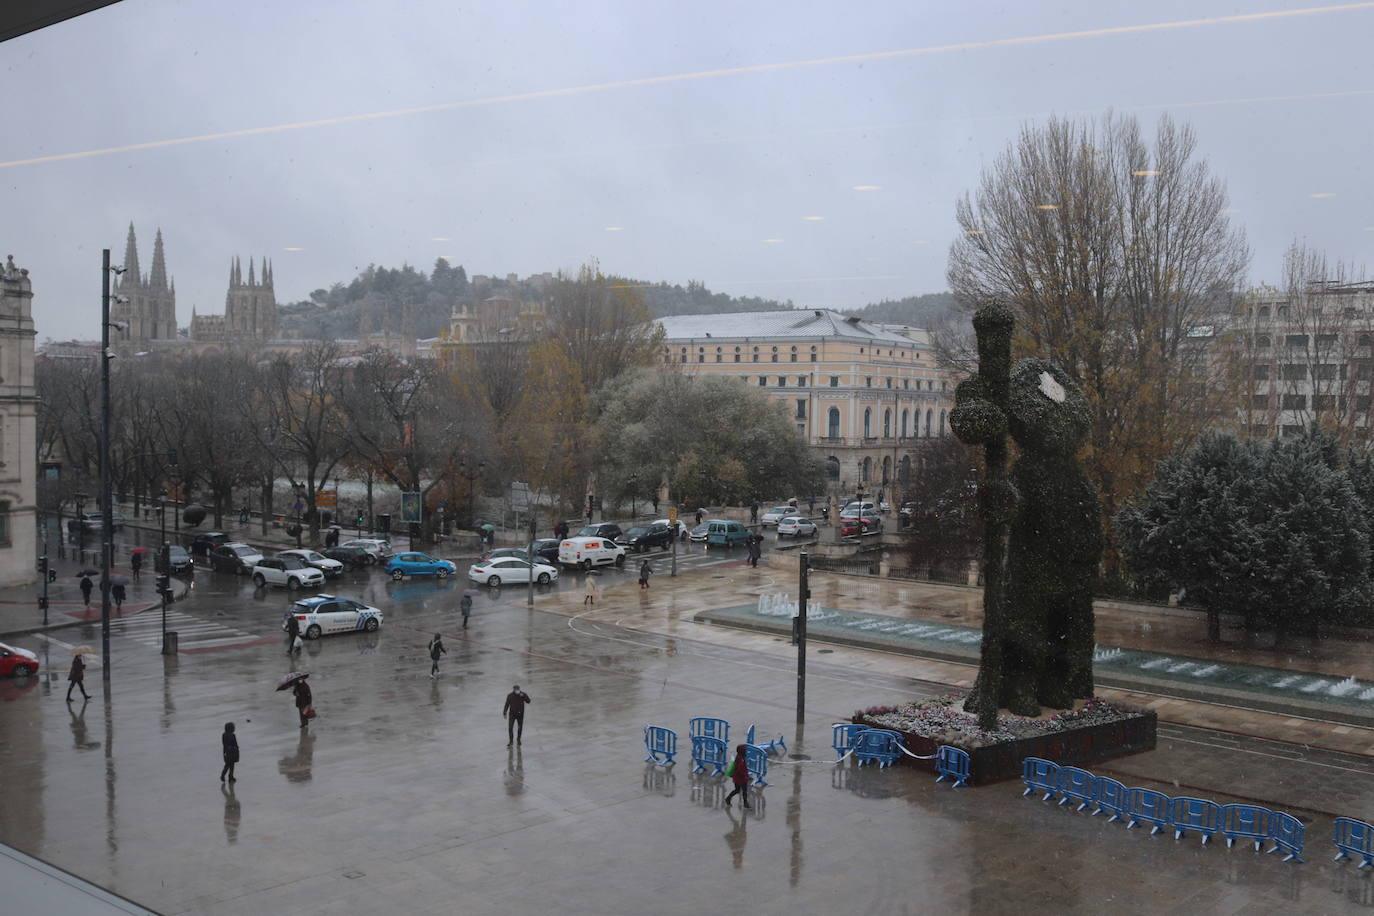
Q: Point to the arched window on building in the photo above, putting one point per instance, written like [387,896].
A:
[832,422]
[930,415]
[906,419]
[887,470]
[868,422]
[904,469]
[866,470]
[832,466]
[942,424]
[887,423]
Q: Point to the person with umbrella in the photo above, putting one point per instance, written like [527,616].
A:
[86,587]
[136,562]
[118,593]
[296,681]
[77,676]
[489,533]
[465,606]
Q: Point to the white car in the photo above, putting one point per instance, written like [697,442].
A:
[776,514]
[378,549]
[323,614]
[678,526]
[288,572]
[510,569]
[796,526]
[318,560]
[855,507]
[592,551]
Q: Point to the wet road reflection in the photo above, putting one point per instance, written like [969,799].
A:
[233,813]
[297,766]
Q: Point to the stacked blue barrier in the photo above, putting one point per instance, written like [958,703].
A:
[661,744]
[1354,838]
[1198,815]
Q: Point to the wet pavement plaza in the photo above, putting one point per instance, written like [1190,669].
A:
[403,798]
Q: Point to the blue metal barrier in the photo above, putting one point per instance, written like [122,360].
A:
[661,743]
[757,758]
[843,737]
[769,747]
[1149,806]
[877,744]
[1288,835]
[1110,796]
[1040,775]
[1356,838]
[952,763]
[1248,821]
[708,727]
[709,752]
[1077,784]
[1195,814]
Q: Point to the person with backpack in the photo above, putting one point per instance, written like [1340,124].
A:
[436,649]
[739,775]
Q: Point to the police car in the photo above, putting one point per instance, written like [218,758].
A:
[322,614]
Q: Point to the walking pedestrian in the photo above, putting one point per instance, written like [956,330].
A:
[514,711]
[466,607]
[136,564]
[118,594]
[754,514]
[810,505]
[243,520]
[755,551]
[230,744]
[645,571]
[436,649]
[560,531]
[654,500]
[700,516]
[293,632]
[77,678]
[739,775]
[589,597]
[86,586]
[303,699]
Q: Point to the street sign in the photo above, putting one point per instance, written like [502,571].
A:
[410,507]
[672,514]
[326,499]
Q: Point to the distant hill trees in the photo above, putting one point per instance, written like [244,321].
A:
[925,311]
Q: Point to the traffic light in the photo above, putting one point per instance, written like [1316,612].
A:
[43,565]
[164,585]
[361,518]
[52,575]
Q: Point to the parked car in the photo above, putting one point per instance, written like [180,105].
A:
[724,533]
[350,557]
[318,560]
[418,564]
[796,526]
[499,552]
[321,614]
[378,548]
[17,662]
[860,524]
[871,521]
[850,527]
[236,558]
[699,532]
[586,552]
[288,572]
[776,514]
[644,537]
[180,561]
[853,507]
[608,530]
[505,570]
[206,541]
[546,550]
[94,521]
[678,526]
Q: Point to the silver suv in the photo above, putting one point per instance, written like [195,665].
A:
[289,572]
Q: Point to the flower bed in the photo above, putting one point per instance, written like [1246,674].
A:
[1094,731]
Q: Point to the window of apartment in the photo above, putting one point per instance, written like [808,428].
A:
[868,422]
[1262,342]
[684,355]
[1362,403]
[1289,431]
[889,382]
[813,353]
[763,381]
[944,386]
[4,523]
[1325,371]
[834,381]
[737,354]
[1324,402]
[1259,402]
[1362,371]
[930,384]
[1327,340]
[906,383]
[701,354]
[782,381]
[775,354]
[794,354]
[1295,340]
[942,423]
[929,414]
[1283,311]
[1295,402]
[801,381]
[720,355]
[756,354]
[1264,311]
[832,423]
[1293,372]
[906,416]
[868,381]
[801,408]
[1262,372]
[1365,340]
[887,423]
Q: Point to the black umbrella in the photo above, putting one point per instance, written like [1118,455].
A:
[88,572]
[119,580]
[292,678]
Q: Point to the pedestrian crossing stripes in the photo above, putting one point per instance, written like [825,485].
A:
[193,633]
[698,559]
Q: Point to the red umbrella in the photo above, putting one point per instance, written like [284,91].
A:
[139,550]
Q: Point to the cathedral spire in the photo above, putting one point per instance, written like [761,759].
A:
[251,281]
[131,276]
[266,272]
[158,278]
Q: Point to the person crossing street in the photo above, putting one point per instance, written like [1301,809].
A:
[436,649]
[514,711]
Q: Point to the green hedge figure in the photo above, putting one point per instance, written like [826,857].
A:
[1042,531]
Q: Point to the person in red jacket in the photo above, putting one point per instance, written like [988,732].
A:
[739,775]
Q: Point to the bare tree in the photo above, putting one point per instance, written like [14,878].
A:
[1110,251]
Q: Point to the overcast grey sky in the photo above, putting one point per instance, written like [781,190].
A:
[708,177]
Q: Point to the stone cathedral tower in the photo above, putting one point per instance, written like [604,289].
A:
[151,309]
[18,435]
[250,307]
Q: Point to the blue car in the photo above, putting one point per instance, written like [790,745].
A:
[418,564]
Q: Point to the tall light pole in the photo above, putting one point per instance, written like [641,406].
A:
[107,526]
[803,592]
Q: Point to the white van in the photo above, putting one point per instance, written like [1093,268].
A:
[588,552]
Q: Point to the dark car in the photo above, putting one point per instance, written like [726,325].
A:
[645,537]
[608,530]
[206,541]
[350,557]
[94,521]
[180,563]
[238,559]
[547,548]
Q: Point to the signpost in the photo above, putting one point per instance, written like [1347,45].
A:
[672,523]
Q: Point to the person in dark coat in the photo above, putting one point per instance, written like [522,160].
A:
[293,629]
[740,777]
[436,649]
[231,751]
[465,606]
[755,551]
[303,697]
[645,571]
[754,514]
[77,678]
[514,711]
[560,531]
[118,594]
[136,564]
[86,587]
[700,516]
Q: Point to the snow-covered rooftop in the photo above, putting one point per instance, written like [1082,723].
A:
[805,323]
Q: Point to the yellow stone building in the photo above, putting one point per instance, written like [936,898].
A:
[865,396]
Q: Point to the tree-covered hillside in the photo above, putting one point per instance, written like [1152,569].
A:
[923,311]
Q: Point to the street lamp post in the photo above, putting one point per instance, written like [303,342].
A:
[80,526]
[106,495]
